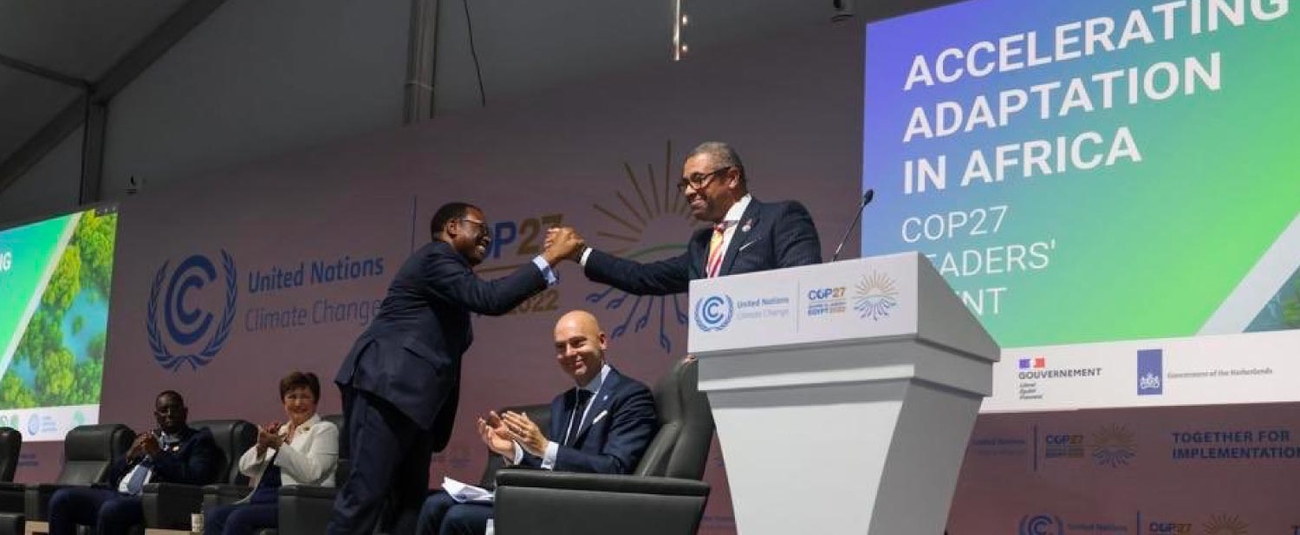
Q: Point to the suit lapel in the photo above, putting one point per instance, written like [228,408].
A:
[599,404]
[699,247]
[560,409]
[743,235]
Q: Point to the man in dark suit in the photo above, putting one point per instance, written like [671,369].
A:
[173,453]
[602,425]
[746,235]
[400,382]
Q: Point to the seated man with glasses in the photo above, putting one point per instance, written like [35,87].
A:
[746,235]
[401,380]
[172,453]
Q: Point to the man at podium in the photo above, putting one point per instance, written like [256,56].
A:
[747,235]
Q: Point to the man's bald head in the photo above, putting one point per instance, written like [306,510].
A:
[580,345]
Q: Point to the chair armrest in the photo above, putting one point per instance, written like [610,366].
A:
[13,497]
[12,523]
[169,505]
[215,496]
[602,482]
[309,492]
[37,508]
[536,501]
[305,509]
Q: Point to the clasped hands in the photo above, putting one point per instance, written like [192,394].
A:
[268,436]
[500,432]
[563,243]
[145,444]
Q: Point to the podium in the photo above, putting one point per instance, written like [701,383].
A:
[844,394]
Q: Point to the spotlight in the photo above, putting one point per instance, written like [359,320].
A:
[843,10]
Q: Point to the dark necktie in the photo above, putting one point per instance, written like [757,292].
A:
[575,421]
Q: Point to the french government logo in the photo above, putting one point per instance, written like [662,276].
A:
[875,295]
[186,323]
[1041,525]
[713,313]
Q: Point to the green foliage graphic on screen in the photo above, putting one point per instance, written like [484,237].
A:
[55,280]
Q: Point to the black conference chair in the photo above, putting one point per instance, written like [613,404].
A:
[540,415]
[11,504]
[11,445]
[306,509]
[665,495]
[219,494]
[169,505]
[88,451]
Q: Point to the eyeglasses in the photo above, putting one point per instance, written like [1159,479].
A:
[699,180]
[481,227]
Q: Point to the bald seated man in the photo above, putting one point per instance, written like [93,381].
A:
[602,425]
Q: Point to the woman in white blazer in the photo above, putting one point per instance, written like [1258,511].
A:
[302,451]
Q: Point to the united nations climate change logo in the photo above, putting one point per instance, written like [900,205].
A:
[875,295]
[1041,525]
[713,313]
[187,324]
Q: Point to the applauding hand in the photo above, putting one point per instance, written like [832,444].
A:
[525,432]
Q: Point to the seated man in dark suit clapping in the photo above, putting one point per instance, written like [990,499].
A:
[172,453]
[602,425]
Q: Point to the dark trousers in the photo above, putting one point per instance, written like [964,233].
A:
[109,511]
[441,515]
[241,518]
[390,468]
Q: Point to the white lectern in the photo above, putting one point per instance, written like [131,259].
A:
[844,393]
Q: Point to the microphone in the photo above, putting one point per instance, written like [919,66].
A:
[866,199]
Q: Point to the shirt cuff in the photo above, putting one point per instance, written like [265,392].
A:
[518,457]
[547,272]
[585,253]
[548,460]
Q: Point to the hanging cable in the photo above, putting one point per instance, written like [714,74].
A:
[473,53]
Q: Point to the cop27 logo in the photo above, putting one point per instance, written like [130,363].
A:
[713,313]
[187,324]
[875,295]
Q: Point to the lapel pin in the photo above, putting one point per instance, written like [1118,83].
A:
[748,224]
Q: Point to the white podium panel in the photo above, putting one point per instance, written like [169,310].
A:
[844,394]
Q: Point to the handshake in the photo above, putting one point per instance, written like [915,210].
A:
[563,243]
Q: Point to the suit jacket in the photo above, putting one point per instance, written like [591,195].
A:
[196,461]
[410,354]
[613,436]
[768,236]
[309,460]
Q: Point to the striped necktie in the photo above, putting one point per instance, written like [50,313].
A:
[715,250]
